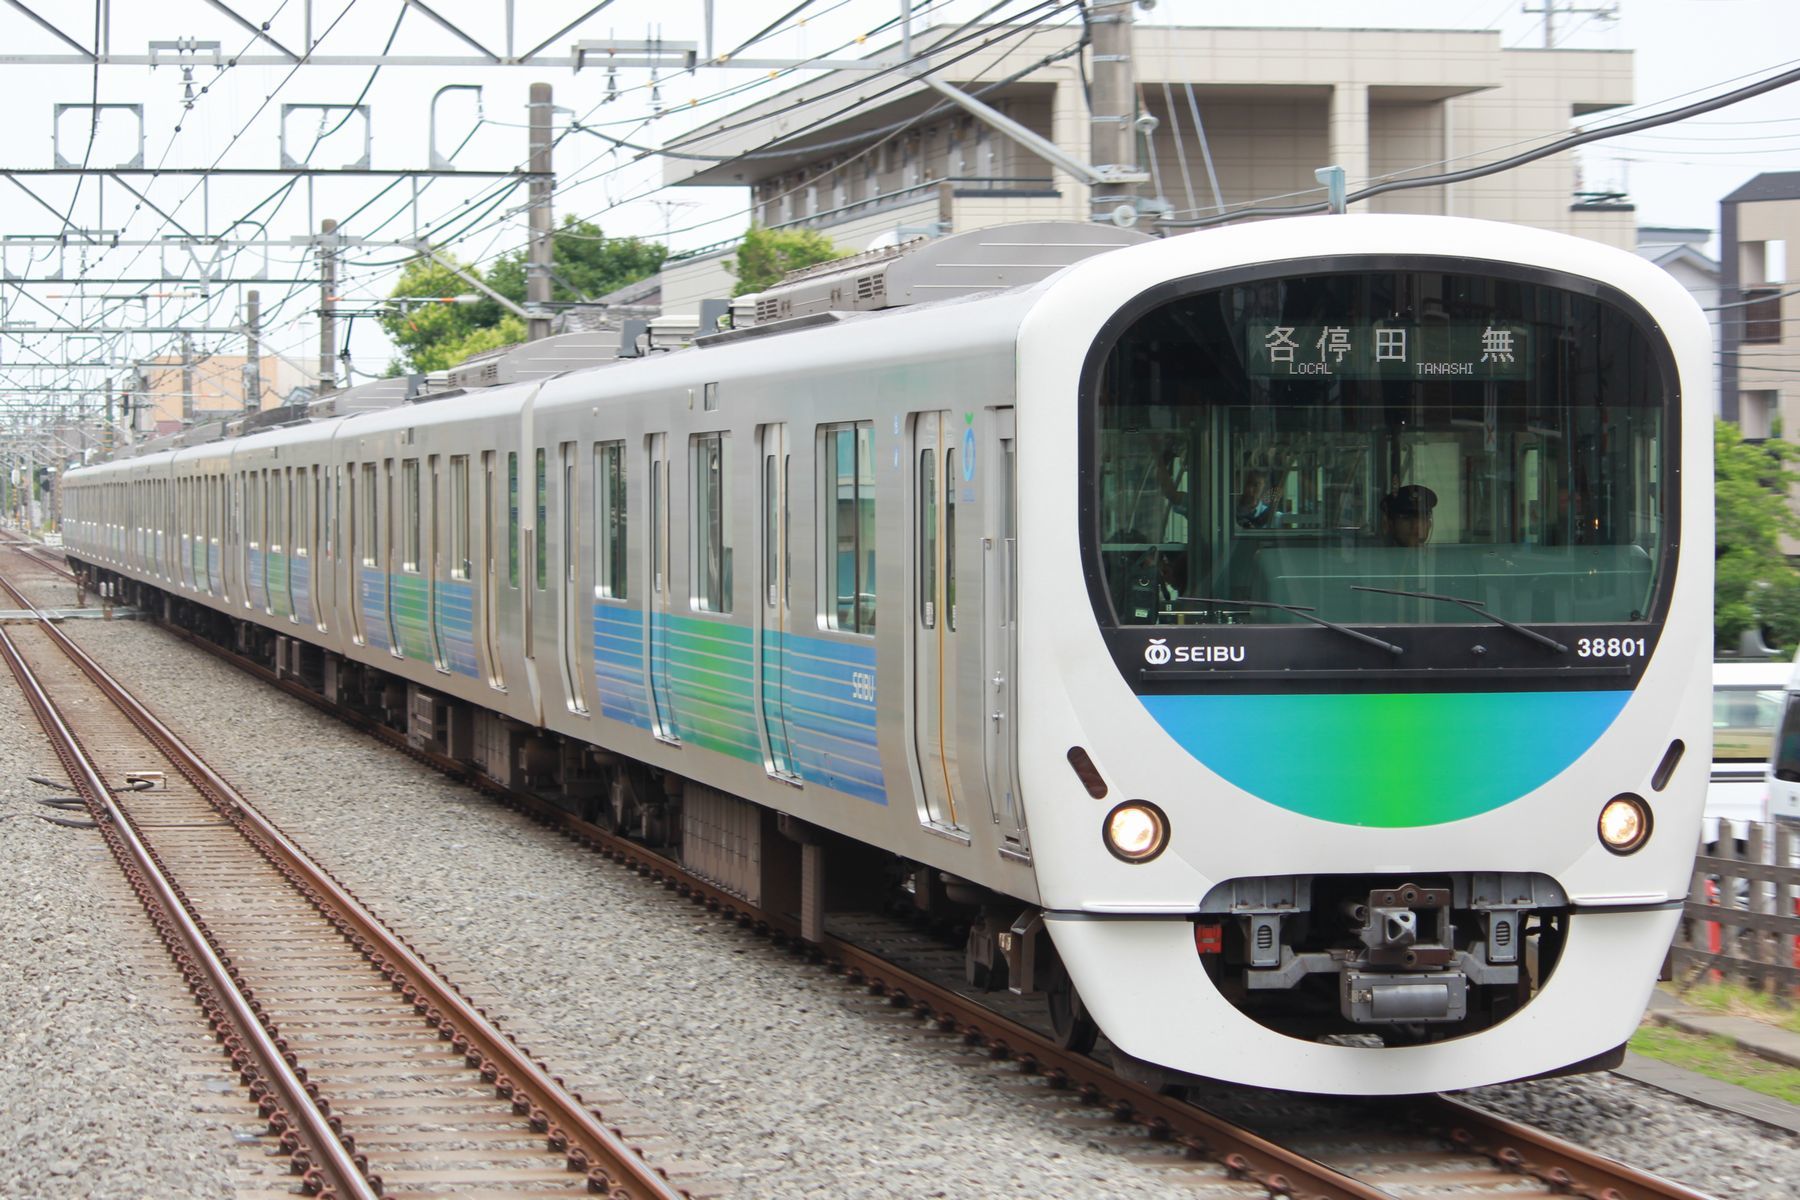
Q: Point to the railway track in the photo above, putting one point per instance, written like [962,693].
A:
[373,1074]
[1425,1147]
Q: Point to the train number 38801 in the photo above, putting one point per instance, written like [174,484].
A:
[1610,647]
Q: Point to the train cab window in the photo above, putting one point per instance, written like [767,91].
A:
[610,549]
[1384,447]
[709,529]
[409,515]
[847,527]
[512,519]
[459,516]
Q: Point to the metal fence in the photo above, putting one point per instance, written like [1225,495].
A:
[1740,922]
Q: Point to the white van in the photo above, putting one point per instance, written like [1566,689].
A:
[1747,705]
[1784,757]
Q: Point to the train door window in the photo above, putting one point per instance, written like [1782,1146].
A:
[541,542]
[950,477]
[609,521]
[276,483]
[847,527]
[459,516]
[658,533]
[928,548]
[710,530]
[512,518]
[371,541]
[410,551]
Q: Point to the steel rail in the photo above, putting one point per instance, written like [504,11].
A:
[1560,1166]
[329,1169]
[611,1165]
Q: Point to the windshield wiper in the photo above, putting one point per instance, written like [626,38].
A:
[1474,606]
[1305,614]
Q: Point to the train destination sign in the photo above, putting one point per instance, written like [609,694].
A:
[1416,353]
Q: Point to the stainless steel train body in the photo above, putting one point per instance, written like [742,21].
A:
[983,584]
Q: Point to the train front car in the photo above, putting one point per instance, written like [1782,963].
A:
[1364,626]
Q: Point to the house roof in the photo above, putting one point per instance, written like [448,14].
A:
[1770,185]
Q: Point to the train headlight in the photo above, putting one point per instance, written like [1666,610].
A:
[1136,831]
[1624,823]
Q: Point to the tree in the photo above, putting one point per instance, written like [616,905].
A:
[426,333]
[765,255]
[586,264]
[434,336]
[1754,585]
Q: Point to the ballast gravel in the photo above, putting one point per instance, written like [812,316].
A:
[99,1097]
[774,1079]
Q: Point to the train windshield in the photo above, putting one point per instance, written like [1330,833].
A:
[1389,447]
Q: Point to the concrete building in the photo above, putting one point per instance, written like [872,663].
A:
[1759,344]
[1682,253]
[175,394]
[1243,115]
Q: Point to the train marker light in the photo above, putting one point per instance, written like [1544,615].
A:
[1624,823]
[1209,939]
[1136,831]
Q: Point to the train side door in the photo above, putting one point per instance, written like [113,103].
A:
[661,585]
[434,560]
[999,639]
[574,605]
[384,550]
[773,609]
[490,573]
[936,623]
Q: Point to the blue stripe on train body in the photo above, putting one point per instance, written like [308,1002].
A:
[827,690]
[456,626]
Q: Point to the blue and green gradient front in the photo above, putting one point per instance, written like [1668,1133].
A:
[1389,761]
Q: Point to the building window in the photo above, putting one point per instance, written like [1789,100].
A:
[1756,414]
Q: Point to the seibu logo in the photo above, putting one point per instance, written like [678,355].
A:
[1159,652]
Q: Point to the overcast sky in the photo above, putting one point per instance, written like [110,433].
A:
[1675,175]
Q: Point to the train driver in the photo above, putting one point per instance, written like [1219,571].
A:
[1406,514]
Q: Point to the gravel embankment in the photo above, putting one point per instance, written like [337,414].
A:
[762,1068]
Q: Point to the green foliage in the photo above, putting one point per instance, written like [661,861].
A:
[433,336]
[587,264]
[1755,584]
[765,255]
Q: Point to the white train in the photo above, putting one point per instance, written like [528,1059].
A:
[1284,645]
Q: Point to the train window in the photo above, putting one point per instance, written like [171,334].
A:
[512,518]
[609,521]
[542,541]
[709,535]
[371,518]
[410,553]
[950,478]
[1355,446]
[928,527]
[847,527]
[459,516]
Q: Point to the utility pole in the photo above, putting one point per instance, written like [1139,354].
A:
[1113,133]
[1552,8]
[327,301]
[106,430]
[252,351]
[187,381]
[537,270]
